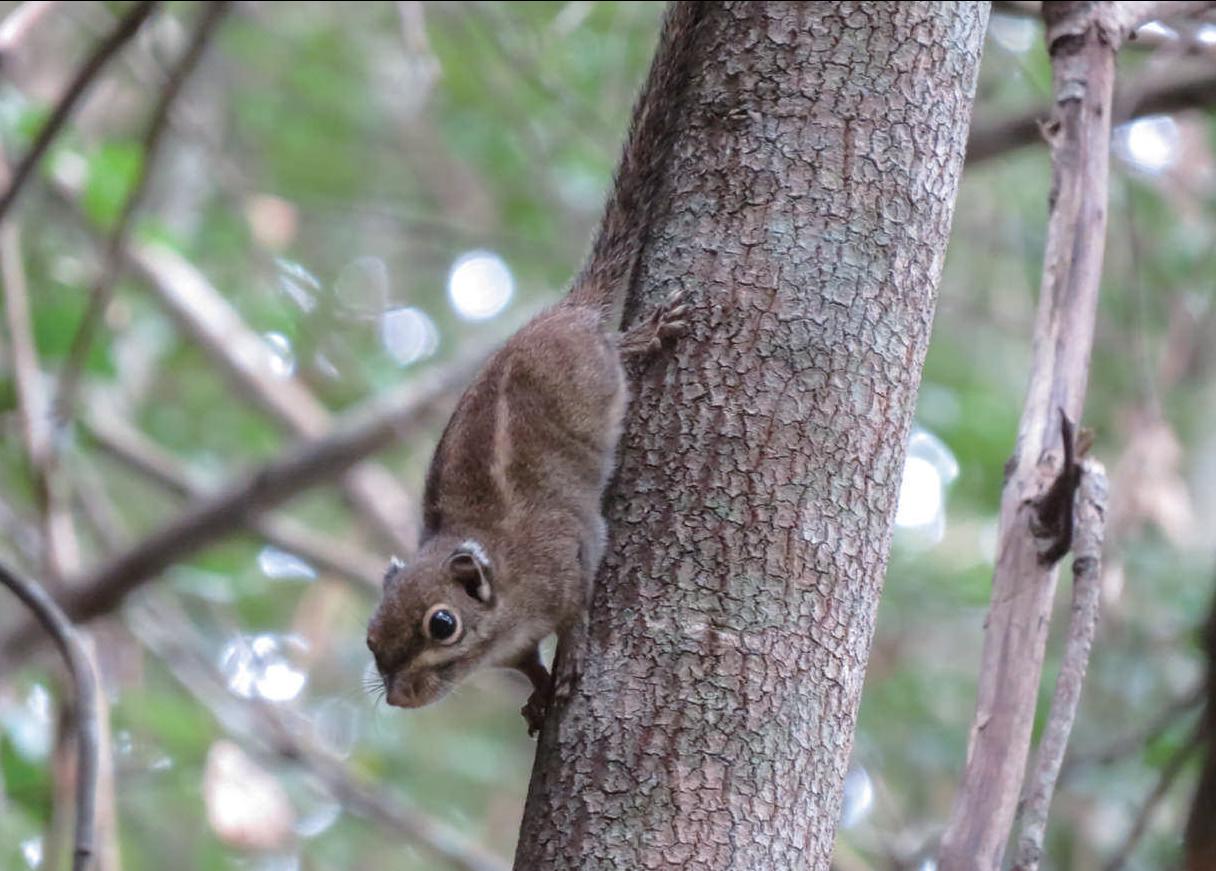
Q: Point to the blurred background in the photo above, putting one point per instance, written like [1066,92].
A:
[347,198]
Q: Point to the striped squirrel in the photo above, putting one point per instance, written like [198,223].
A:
[513,531]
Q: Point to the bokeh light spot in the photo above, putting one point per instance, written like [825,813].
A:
[929,468]
[480,285]
[279,565]
[408,335]
[1149,144]
[259,667]
[282,360]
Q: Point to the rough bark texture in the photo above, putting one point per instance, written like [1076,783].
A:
[810,200]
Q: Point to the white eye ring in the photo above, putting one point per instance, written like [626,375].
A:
[434,628]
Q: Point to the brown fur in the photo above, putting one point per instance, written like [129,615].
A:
[516,482]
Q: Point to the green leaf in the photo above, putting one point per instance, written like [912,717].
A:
[26,783]
[112,172]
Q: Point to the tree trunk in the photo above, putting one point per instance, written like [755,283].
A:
[809,203]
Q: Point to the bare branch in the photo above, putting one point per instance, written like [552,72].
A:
[203,313]
[1145,12]
[26,539]
[129,446]
[164,630]
[1127,16]
[1135,741]
[1091,500]
[97,509]
[59,628]
[122,32]
[103,289]
[1139,38]
[60,555]
[108,855]
[1179,91]
[1025,576]
[399,416]
[281,733]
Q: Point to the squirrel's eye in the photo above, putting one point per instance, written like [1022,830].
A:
[441,624]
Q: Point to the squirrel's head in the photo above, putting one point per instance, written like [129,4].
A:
[435,621]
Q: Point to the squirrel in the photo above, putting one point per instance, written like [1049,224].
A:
[512,526]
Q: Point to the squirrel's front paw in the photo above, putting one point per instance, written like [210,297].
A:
[534,711]
[667,323]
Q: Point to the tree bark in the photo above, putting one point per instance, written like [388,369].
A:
[809,203]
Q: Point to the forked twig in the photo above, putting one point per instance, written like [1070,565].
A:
[1090,509]
[1082,39]
[122,32]
[103,289]
[362,433]
[1032,534]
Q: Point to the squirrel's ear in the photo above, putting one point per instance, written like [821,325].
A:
[470,567]
[394,566]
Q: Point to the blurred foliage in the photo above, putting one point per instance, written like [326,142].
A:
[329,164]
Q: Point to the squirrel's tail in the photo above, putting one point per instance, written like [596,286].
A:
[610,268]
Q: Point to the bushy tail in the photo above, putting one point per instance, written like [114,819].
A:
[609,270]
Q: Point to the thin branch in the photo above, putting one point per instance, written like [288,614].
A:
[1126,17]
[97,510]
[1179,91]
[108,856]
[58,838]
[56,624]
[24,535]
[103,289]
[106,849]
[1036,504]
[286,735]
[23,354]
[202,312]
[1091,501]
[134,450]
[163,628]
[1146,13]
[60,555]
[400,416]
[1136,741]
[122,32]
[1173,767]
